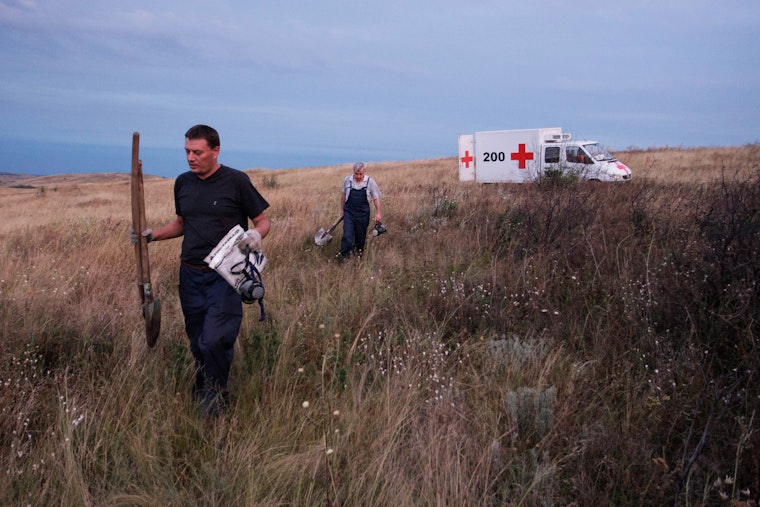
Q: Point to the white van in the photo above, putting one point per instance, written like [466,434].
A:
[501,156]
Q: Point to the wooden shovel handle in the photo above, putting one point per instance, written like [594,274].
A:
[151,307]
[333,226]
[139,223]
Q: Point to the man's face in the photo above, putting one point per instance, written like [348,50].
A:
[359,174]
[201,158]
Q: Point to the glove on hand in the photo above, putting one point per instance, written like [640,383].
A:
[134,238]
[251,239]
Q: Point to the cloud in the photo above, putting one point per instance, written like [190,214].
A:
[15,7]
[395,73]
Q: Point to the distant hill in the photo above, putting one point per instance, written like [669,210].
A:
[10,179]
[29,180]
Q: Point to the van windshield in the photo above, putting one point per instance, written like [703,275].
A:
[598,153]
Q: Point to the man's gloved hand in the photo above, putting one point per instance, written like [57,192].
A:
[134,238]
[251,239]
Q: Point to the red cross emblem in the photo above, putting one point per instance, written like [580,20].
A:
[466,159]
[521,156]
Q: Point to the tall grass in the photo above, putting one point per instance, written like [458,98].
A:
[546,344]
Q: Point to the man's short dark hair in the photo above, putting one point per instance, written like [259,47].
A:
[204,132]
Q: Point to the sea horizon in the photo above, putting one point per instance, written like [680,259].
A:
[45,159]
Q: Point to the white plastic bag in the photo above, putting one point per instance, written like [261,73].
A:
[229,261]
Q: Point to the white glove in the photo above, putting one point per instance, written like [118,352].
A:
[251,239]
[134,238]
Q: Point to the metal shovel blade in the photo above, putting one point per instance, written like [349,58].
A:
[152,315]
[323,237]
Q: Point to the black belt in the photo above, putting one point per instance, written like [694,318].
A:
[202,267]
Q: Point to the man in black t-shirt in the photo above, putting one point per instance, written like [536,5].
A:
[209,200]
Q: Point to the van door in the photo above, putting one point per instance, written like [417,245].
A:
[550,158]
[579,162]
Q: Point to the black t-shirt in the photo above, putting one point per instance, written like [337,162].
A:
[211,207]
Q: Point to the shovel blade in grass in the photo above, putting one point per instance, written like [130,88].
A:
[323,237]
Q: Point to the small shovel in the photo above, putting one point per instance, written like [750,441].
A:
[323,237]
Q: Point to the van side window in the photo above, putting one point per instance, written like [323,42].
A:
[551,155]
[572,154]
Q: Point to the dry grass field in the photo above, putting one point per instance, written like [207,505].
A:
[557,343]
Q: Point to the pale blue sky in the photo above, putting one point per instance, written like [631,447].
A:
[304,83]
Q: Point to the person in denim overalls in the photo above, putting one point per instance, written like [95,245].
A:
[357,191]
